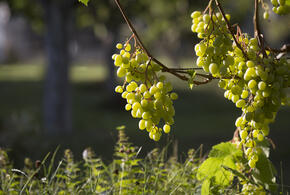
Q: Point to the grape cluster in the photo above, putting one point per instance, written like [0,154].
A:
[149,97]
[251,189]
[255,83]
[280,7]
[213,51]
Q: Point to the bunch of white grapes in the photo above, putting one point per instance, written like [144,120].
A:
[280,7]
[149,97]
[255,83]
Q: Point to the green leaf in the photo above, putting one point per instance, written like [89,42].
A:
[205,187]
[192,74]
[235,172]
[224,150]
[223,154]
[264,173]
[85,2]
[265,146]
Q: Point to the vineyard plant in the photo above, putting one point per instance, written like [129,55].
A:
[254,76]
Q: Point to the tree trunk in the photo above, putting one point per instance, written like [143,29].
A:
[57,99]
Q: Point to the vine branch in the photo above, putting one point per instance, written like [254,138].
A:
[284,49]
[257,29]
[140,43]
[230,28]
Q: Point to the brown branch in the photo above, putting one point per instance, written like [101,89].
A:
[230,28]
[257,33]
[284,49]
[166,69]
[132,28]
[185,69]
[140,43]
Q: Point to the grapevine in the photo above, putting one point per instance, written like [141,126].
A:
[253,76]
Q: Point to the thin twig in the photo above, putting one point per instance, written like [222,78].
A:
[132,28]
[140,43]
[166,69]
[186,69]
[257,33]
[230,28]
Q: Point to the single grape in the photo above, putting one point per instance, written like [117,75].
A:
[119,46]
[266,15]
[166,128]
[213,68]
[142,125]
[252,84]
[174,96]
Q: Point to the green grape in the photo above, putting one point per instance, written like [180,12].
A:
[166,128]
[144,103]
[147,94]
[213,68]
[243,134]
[128,107]
[153,90]
[260,137]
[121,72]
[252,84]
[222,84]
[275,3]
[235,98]
[159,85]
[157,95]
[266,15]
[240,103]
[119,89]
[136,106]
[128,47]
[255,133]
[142,124]
[250,64]
[146,115]
[174,96]
[124,94]
[262,85]
[239,121]
[118,60]
[195,14]
[119,46]
[244,94]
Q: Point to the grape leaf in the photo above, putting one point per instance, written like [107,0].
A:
[223,154]
[85,2]
[265,173]
[205,189]
[225,149]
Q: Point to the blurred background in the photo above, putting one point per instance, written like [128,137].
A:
[57,77]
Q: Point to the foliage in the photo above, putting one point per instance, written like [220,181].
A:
[126,174]
[222,155]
